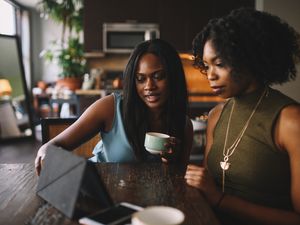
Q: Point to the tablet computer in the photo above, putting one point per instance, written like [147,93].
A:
[73,185]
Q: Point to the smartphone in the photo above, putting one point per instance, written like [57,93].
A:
[118,214]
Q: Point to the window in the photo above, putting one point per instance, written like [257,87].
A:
[8,18]
[15,21]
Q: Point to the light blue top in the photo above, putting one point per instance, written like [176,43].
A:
[114,146]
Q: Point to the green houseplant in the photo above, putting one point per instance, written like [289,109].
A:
[68,51]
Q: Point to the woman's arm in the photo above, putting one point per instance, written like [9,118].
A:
[198,176]
[287,137]
[213,118]
[98,116]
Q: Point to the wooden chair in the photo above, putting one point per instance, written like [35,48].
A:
[53,126]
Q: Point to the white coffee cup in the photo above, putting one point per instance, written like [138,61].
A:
[158,215]
[155,142]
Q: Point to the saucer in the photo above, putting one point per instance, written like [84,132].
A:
[153,151]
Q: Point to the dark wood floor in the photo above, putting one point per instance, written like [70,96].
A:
[19,151]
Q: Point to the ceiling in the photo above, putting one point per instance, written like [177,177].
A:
[28,3]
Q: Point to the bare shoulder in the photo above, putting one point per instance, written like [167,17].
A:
[291,113]
[213,117]
[107,100]
[288,127]
[289,119]
[103,105]
[101,112]
[214,113]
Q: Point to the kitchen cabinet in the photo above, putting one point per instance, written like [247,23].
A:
[179,20]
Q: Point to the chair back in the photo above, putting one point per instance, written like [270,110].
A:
[53,126]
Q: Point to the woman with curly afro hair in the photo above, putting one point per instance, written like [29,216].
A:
[251,171]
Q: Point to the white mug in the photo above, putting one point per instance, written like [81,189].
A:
[158,215]
[155,142]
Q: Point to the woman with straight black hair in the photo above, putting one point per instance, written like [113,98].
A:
[172,114]
[154,99]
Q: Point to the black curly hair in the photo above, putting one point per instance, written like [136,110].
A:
[252,41]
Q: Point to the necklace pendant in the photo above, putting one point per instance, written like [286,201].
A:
[224,165]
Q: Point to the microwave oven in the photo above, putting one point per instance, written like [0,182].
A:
[123,37]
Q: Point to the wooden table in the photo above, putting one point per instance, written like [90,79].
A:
[141,184]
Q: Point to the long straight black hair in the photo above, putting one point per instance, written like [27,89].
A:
[135,110]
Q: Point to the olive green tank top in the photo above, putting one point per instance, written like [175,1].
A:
[259,172]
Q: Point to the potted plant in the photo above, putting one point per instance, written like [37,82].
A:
[68,51]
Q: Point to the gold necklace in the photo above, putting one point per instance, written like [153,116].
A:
[227,153]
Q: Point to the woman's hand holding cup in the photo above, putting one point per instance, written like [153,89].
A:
[172,149]
[163,144]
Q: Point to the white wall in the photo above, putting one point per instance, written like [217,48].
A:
[50,31]
[43,32]
[288,10]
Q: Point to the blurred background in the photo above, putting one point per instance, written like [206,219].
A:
[58,57]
